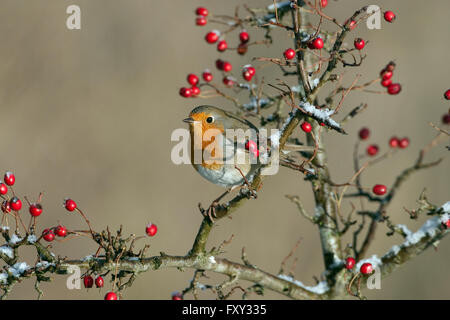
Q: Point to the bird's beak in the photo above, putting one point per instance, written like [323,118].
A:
[189,120]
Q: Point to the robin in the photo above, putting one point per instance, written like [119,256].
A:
[224,161]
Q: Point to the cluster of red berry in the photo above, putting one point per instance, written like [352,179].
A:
[213,37]
[366,268]
[386,79]
[89,281]
[373,149]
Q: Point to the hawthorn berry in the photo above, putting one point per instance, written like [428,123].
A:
[9,178]
[394,142]
[61,231]
[88,282]
[246,75]
[70,205]
[352,25]
[222,45]
[207,76]
[212,37]
[201,11]
[15,203]
[289,54]
[228,81]
[372,150]
[250,69]
[386,74]
[446,224]
[6,207]
[317,43]
[323,3]
[403,143]
[184,92]
[389,16]
[35,209]
[364,133]
[227,67]
[252,146]
[242,49]
[3,188]
[447,94]
[366,268]
[111,296]
[394,88]
[359,43]
[390,66]
[48,235]
[445,120]
[244,36]
[177,296]
[306,127]
[195,91]
[349,263]
[386,83]
[219,64]
[151,229]
[379,189]
[99,282]
[201,21]
[192,79]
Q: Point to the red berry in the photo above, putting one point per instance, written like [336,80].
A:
[219,64]
[201,11]
[207,76]
[390,66]
[184,92]
[385,74]
[364,133]
[111,296]
[151,229]
[359,43]
[35,209]
[192,79]
[306,127]
[9,178]
[70,205]
[386,83]
[15,203]
[48,235]
[349,263]
[6,207]
[403,143]
[394,142]
[323,3]
[251,145]
[177,296]
[446,224]
[222,46]
[195,91]
[99,282]
[352,25]
[394,88]
[242,48]
[372,150]
[250,69]
[447,94]
[366,268]
[212,37]
[201,21]
[88,281]
[227,67]
[317,43]
[379,189]
[246,75]
[61,231]
[289,54]
[228,81]
[445,120]
[389,16]
[244,36]
[3,188]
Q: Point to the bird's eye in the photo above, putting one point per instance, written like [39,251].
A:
[210,119]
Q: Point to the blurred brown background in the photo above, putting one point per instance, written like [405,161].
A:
[89,113]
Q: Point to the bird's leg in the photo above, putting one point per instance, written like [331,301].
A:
[253,193]
[212,208]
